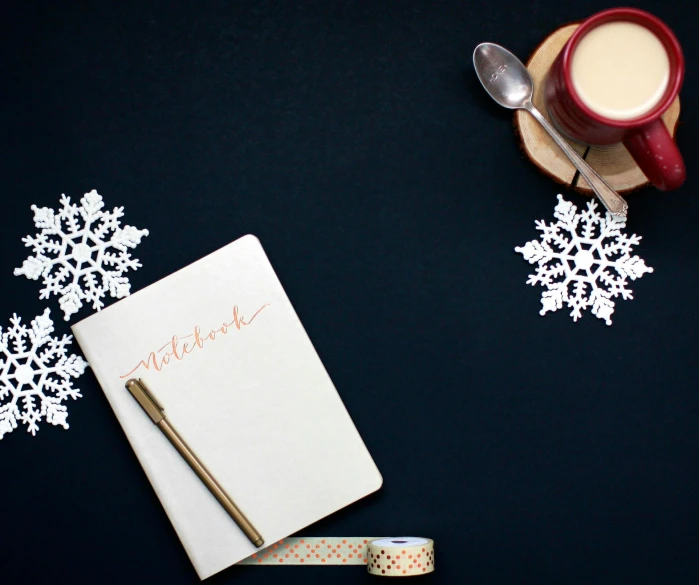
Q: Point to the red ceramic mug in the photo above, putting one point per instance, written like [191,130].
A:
[644,135]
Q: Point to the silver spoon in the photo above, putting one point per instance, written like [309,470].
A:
[508,82]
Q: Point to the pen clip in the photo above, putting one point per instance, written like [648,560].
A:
[143,396]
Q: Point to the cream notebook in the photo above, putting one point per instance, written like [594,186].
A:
[222,350]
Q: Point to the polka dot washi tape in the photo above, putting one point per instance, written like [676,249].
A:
[404,556]
[388,557]
[313,551]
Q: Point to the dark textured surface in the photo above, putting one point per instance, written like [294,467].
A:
[354,140]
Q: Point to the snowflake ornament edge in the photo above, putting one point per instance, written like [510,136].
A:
[62,247]
[559,239]
[49,354]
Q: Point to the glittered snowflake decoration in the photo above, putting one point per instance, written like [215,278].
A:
[81,253]
[35,375]
[584,260]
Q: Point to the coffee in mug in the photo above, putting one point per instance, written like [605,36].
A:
[620,70]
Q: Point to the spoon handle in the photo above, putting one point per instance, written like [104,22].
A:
[611,200]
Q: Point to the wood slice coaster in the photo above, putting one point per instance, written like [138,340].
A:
[613,162]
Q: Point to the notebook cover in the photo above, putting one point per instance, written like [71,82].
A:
[223,351]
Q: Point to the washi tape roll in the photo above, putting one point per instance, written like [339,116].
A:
[388,557]
[403,556]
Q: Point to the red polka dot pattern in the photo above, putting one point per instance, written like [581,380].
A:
[333,550]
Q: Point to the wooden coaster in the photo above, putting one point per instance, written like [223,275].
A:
[613,162]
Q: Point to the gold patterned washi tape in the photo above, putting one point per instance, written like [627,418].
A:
[388,557]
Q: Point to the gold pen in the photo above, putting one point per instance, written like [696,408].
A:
[155,412]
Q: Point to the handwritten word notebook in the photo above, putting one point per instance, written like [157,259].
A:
[224,353]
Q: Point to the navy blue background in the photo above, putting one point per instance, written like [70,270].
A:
[354,140]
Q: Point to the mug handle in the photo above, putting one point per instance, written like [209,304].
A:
[653,149]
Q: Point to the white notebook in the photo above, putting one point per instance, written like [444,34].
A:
[224,353]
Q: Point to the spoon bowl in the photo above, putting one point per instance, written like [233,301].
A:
[503,76]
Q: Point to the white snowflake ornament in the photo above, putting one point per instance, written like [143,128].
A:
[584,260]
[35,375]
[81,253]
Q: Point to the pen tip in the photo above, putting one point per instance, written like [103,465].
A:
[259,542]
